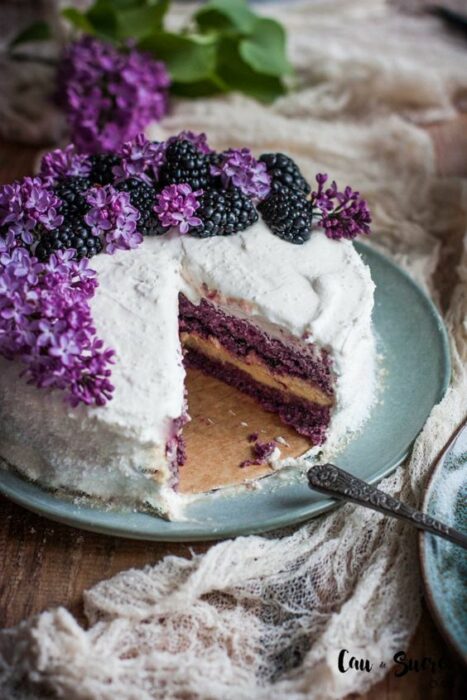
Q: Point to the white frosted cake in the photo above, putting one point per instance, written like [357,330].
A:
[289,325]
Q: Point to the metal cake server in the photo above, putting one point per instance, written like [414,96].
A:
[337,483]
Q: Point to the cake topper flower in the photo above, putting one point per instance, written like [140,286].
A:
[46,324]
[140,158]
[341,214]
[62,163]
[176,206]
[238,167]
[113,217]
[24,206]
[109,95]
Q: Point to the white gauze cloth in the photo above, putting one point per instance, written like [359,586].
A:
[264,617]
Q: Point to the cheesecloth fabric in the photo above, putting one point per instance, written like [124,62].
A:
[265,616]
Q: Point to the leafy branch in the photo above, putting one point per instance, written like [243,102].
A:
[226,46]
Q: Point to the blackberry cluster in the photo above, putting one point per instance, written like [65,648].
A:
[71,191]
[73,232]
[224,212]
[288,214]
[143,198]
[185,164]
[101,168]
[69,235]
[284,173]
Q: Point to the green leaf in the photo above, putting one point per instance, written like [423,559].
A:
[119,19]
[201,88]
[104,19]
[264,50]
[38,31]
[138,22]
[128,4]
[225,16]
[78,20]
[233,70]
[189,59]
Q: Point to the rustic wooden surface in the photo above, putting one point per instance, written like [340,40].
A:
[45,564]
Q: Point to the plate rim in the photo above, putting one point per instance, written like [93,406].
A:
[279,521]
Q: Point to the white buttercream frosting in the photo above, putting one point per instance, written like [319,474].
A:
[321,292]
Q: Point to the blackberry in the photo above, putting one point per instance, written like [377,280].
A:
[185,164]
[288,214]
[143,198]
[78,237]
[71,191]
[242,207]
[224,212]
[101,168]
[73,184]
[214,158]
[284,173]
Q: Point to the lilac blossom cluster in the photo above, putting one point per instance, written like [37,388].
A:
[176,206]
[109,95]
[140,158]
[113,218]
[342,214]
[62,163]
[24,206]
[46,323]
[238,167]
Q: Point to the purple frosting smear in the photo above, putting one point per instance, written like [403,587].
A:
[261,452]
[175,448]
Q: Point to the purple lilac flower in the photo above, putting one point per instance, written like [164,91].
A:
[237,166]
[109,95]
[342,214]
[113,218]
[140,158]
[198,140]
[46,324]
[63,163]
[176,206]
[23,206]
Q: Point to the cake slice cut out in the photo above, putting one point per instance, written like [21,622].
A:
[217,437]
[273,371]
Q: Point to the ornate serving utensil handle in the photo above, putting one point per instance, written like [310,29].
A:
[337,483]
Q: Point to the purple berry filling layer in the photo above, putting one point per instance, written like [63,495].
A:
[309,419]
[240,337]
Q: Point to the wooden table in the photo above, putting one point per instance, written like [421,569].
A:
[45,564]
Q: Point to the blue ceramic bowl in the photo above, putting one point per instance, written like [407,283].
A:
[443,563]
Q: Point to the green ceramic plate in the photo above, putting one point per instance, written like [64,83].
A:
[414,343]
[444,564]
